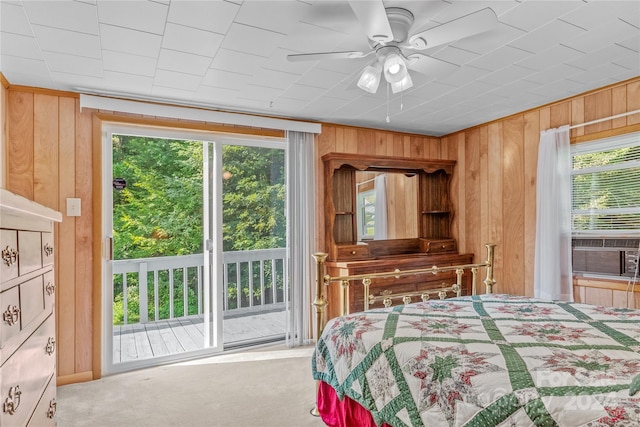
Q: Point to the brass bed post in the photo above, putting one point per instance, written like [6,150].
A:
[489,281]
[319,302]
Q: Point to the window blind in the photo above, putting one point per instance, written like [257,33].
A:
[605,186]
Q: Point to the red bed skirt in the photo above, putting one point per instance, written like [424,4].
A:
[342,413]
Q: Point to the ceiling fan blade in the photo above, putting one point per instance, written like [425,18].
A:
[373,17]
[468,25]
[326,55]
[430,66]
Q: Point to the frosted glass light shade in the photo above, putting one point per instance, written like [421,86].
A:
[395,68]
[403,84]
[370,79]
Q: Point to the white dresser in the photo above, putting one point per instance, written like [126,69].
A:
[27,315]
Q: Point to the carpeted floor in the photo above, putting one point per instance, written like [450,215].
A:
[261,388]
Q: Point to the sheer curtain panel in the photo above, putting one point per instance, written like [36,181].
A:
[301,235]
[552,269]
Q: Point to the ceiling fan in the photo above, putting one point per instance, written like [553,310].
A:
[396,50]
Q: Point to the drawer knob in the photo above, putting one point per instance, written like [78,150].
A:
[11,315]
[9,256]
[12,402]
[353,252]
[48,249]
[51,412]
[51,346]
[50,288]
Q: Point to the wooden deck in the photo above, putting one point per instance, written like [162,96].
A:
[164,337]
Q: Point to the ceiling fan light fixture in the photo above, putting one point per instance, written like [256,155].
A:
[403,84]
[370,78]
[395,68]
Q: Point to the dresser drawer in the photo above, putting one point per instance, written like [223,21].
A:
[9,248]
[44,415]
[353,252]
[10,326]
[32,305]
[26,373]
[30,249]
[437,246]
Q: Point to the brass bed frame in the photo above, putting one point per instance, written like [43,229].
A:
[323,280]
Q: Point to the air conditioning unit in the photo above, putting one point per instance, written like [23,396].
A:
[615,257]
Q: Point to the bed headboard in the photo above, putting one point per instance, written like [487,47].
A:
[324,280]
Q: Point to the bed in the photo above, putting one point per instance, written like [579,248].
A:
[480,360]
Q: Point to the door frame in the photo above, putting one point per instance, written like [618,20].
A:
[103,205]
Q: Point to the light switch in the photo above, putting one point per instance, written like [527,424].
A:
[73,207]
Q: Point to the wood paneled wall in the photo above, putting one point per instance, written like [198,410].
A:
[497,165]
[49,157]
[3,128]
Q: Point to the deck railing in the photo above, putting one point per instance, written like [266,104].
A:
[252,281]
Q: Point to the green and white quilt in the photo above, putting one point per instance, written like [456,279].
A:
[487,360]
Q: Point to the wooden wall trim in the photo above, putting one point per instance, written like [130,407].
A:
[97,247]
[4,81]
[78,377]
[606,133]
[42,91]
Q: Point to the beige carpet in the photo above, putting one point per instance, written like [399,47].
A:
[261,388]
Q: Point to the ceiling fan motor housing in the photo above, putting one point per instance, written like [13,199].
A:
[400,21]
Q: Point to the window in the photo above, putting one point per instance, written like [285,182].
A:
[605,186]
[605,206]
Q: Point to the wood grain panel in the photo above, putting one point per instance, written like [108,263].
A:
[495,190]
[598,296]
[84,258]
[618,105]
[483,213]
[45,150]
[597,106]
[633,102]
[4,129]
[366,142]
[472,202]
[560,114]
[513,204]
[531,143]
[577,116]
[20,144]
[66,261]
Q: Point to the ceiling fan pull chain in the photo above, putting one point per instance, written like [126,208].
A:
[388,119]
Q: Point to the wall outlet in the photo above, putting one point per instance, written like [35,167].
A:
[73,207]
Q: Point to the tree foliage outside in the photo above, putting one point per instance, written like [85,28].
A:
[159,213]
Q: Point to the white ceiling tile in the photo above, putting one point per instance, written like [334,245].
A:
[68,15]
[307,38]
[72,64]
[303,93]
[144,16]
[278,61]
[631,62]
[18,70]
[282,15]
[596,58]
[13,19]
[632,43]
[70,42]
[549,58]
[275,79]
[256,41]
[462,8]
[553,73]
[464,75]
[507,74]
[191,40]
[215,95]
[130,41]
[19,45]
[240,62]
[552,89]
[176,80]
[288,104]
[500,58]
[530,15]
[181,62]
[514,89]
[323,79]
[259,93]
[216,16]
[225,79]
[77,82]
[602,37]
[555,32]
[127,82]
[455,55]
[595,14]
[322,108]
[169,93]
[602,71]
[129,64]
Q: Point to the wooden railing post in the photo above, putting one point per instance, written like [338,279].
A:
[143,291]
[319,302]
[489,281]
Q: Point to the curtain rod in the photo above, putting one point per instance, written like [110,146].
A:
[604,119]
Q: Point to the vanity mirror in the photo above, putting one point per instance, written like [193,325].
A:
[380,205]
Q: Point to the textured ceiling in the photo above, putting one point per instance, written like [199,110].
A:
[232,55]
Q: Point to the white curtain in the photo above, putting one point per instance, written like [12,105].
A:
[552,269]
[301,235]
[380,206]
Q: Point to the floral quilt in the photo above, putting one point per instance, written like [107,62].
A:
[487,360]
